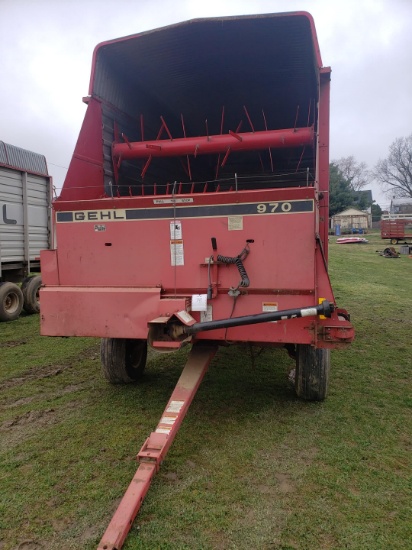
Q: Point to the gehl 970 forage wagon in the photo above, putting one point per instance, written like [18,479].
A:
[196,202]
[195,208]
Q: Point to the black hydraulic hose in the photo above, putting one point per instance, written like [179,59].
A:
[325,308]
[243,275]
[238,260]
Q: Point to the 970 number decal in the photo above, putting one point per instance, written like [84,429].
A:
[270,207]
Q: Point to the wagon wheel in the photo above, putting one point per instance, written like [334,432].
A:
[31,294]
[312,372]
[123,360]
[394,241]
[11,301]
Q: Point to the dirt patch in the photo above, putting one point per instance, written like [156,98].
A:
[285,483]
[38,374]
[90,534]
[266,489]
[72,388]
[60,524]
[30,417]
[22,427]
[13,343]
[29,545]
[46,371]
[171,476]
[22,401]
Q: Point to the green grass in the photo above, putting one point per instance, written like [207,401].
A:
[252,466]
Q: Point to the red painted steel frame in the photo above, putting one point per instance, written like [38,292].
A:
[156,446]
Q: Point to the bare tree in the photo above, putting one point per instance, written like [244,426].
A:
[395,172]
[356,173]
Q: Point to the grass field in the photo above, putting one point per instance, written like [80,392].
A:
[252,466]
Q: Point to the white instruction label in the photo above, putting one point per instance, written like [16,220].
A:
[175,230]
[235,223]
[199,302]
[172,201]
[207,315]
[177,256]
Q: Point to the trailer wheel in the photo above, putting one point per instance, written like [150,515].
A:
[312,372]
[394,241]
[11,301]
[31,288]
[123,360]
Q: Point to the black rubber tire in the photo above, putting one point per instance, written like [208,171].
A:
[123,360]
[312,372]
[11,301]
[30,288]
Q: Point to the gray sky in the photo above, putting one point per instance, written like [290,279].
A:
[46,48]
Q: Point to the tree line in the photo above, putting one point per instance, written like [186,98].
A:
[348,178]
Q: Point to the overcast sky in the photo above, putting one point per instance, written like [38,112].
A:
[46,48]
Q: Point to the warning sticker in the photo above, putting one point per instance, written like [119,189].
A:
[235,223]
[177,256]
[167,420]
[268,307]
[175,406]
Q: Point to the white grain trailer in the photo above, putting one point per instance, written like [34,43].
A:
[25,198]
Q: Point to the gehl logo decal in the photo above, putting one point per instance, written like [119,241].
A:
[99,215]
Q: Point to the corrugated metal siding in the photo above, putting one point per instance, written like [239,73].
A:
[12,215]
[22,159]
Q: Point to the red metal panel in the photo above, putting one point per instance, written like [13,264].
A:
[88,261]
[84,178]
[49,267]
[101,312]
[121,257]
[90,255]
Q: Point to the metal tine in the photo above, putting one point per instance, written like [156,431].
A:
[142,127]
[270,151]
[309,109]
[300,160]
[146,166]
[248,117]
[222,118]
[296,119]
[253,130]
[166,128]
[189,171]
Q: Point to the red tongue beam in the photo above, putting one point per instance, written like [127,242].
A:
[158,443]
